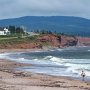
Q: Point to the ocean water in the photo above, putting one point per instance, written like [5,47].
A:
[59,62]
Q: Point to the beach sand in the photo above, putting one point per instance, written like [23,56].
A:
[12,79]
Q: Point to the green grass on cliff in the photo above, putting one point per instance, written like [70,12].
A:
[16,40]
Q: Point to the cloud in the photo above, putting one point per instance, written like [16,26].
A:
[17,8]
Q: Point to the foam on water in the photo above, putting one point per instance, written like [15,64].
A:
[54,62]
[89,50]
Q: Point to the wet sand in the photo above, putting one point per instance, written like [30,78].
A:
[12,79]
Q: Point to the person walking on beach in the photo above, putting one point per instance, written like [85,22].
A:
[83,75]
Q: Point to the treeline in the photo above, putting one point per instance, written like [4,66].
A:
[51,32]
[43,31]
[16,30]
[19,30]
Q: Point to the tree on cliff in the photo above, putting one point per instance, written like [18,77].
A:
[12,29]
[16,30]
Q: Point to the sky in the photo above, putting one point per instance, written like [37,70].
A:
[19,8]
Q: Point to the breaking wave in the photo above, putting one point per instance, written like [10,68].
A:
[65,62]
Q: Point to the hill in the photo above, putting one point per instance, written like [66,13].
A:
[61,24]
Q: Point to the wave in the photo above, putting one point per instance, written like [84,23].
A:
[22,59]
[72,66]
[48,57]
[56,60]
[4,55]
[77,68]
[40,51]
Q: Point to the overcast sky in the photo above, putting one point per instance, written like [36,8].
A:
[18,8]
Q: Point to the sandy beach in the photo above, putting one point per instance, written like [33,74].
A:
[12,79]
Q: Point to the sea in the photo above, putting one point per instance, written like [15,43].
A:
[68,61]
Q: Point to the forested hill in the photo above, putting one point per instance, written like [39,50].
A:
[62,24]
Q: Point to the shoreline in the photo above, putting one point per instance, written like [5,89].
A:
[12,79]
[35,79]
[46,48]
[36,50]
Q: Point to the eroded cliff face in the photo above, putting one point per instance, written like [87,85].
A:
[58,41]
[48,40]
[68,41]
[83,41]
